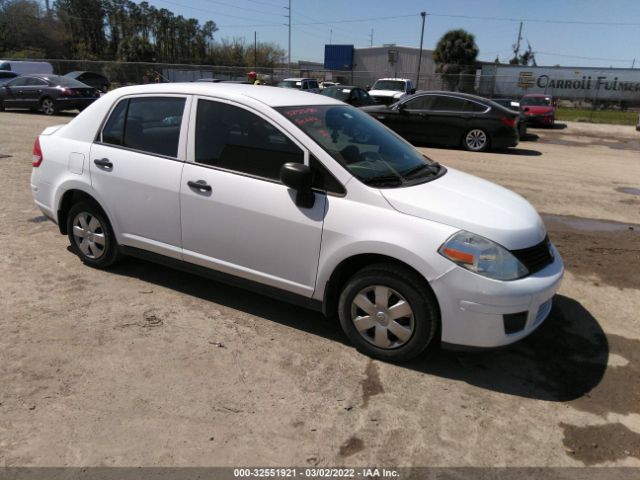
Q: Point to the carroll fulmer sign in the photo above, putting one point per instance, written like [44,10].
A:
[563,82]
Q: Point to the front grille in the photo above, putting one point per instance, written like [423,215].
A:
[384,100]
[537,257]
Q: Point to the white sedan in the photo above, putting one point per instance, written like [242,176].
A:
[302,197]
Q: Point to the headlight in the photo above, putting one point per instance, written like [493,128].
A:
[482,256]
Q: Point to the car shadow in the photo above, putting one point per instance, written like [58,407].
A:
[525,152]
[69,113]
[563,360]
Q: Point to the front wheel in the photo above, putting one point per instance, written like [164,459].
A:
[91,235]
[388,313]
[48,106]
[476,140]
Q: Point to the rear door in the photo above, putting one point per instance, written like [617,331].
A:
[136,165]
[446,120]
[33,91]
[237,217]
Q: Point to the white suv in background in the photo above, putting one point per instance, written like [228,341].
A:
[302,197]
[389,90]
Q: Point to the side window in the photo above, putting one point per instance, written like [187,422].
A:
[449,104]
[113,130]
[423,102]
[35,82]
[18,82]
[305,85]
[323,179]
[474,107]
[153,125]
[313,84]
[235,139]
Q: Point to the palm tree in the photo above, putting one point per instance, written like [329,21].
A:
[455,54]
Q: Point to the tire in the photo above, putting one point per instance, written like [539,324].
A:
[48,106]
[91,235]
[396,331]
[476,140]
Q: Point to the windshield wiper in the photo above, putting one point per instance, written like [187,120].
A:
[433,169]
[387,180]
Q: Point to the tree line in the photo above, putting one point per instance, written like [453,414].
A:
[120,30]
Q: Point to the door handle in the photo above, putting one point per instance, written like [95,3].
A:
[200,185]
[103,162]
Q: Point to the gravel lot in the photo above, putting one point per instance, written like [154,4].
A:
[143,365]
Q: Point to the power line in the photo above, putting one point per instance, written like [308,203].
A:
[538,20]
[584,58]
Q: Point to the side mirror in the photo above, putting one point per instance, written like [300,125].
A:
[412,91]
[402,107]
[526,109]
[297,176]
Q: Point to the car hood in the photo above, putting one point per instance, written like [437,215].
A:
[385,93]
[470,203]
[537,109]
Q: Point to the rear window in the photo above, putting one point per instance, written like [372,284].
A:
[65,81]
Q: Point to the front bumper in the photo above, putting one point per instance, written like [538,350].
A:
[540,119]
[473,307]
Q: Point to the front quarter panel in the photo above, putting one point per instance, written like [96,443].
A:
[353,228]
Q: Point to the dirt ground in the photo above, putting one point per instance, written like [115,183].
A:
[143,365]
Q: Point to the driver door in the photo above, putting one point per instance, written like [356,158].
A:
[237,216]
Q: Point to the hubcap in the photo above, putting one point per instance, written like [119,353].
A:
[89,235]
[47,107]
[476,139]
[382,316]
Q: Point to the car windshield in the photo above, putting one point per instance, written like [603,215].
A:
[337,93]
[65,81]
[290,83]
[538,101]
[395,85]
[362,145]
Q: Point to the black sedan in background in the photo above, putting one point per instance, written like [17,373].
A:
[49,93]
[92,79]
[450,119]
[356,96]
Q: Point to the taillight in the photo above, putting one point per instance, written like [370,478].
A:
[36,157]
[509,121]
[67,92]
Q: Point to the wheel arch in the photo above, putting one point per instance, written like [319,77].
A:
[350,265]
[68,200]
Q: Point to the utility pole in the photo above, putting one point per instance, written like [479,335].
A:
[516,47]
[371,38]
[255,50]
[423,15]
[633,64]
[48,8]
[289,25]
[330,36]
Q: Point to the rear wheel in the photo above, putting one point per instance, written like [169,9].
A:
[388,313]
[476,140]
[91,235]
[48,106]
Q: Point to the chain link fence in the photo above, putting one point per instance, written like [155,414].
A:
[489,86]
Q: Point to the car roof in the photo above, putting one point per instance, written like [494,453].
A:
[271,96]
[466,96]
[398,79]
[297,79]
[537,95]
[339,87]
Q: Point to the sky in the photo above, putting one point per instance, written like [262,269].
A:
[586,33]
